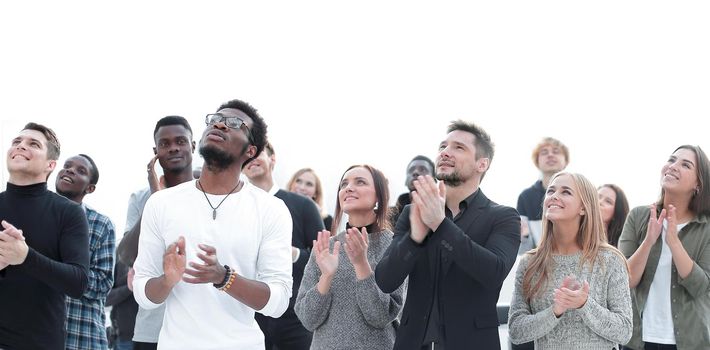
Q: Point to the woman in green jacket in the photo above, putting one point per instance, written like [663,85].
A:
[668,247]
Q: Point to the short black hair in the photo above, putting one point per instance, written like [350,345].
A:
[94,170]
[53,146]
[172,120]
[424,158]
[258,129]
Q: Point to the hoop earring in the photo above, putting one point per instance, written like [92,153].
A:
[376,206]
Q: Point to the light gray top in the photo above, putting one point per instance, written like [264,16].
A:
[354,314]
[602,323]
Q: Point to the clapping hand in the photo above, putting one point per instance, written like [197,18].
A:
[13,248]
[210,271]
[356,244]
[672,229]
[430,199]
[327,262]
[655,225]
[570,295]
[174,262]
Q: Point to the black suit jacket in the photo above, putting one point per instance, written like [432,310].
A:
[477,251]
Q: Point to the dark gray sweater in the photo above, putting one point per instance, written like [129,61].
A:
[354,314]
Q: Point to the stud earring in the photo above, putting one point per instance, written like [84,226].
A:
[376,206]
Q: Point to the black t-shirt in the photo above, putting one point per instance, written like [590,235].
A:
[32,294]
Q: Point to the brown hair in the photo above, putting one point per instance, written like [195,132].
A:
[53,146]
[700,202]
[381,192]
[621,210]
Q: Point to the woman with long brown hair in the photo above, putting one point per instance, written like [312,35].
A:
[339,300]
[668,245]
[615,208]
[572,291]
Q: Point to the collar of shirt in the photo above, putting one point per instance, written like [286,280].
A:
[272,191]
[463,205]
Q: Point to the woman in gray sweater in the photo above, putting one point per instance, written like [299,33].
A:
[338,300]
[572,292]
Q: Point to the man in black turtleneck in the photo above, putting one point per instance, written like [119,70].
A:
[44,246]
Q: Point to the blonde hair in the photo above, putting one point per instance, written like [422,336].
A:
[318,195]
[591,237]
[549,141]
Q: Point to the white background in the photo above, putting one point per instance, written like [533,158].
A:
[621,83]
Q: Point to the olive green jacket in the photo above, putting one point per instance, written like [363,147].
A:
[690,297]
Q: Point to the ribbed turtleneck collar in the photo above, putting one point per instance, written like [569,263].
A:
[370,228]
[27,191]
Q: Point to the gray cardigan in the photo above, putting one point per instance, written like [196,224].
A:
[354,314]
[602,323]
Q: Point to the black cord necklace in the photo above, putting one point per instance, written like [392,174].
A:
[214,209]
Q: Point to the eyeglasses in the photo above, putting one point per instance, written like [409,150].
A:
[230,122]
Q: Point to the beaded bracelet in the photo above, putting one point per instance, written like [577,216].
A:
[227,275]
[232,277]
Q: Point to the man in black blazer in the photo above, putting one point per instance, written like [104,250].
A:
[456,246]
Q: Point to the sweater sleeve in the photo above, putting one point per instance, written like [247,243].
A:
[311,307]
[69,275]
[378,308]
[101,266]
[523,325]
[613,321]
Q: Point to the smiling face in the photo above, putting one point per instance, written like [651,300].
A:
[27,156]
[305,185]
[260,167]
[679,174]
[74,179]
[551,159]
[174,147]
[562,200]
[357,192]
[607,204]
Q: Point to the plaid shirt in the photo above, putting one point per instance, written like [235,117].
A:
[86,322]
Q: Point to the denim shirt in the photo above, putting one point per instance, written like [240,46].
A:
[690,297]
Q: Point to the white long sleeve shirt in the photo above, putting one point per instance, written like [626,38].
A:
[252,234]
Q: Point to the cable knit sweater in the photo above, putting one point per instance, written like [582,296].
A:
[602,323]
[354,314]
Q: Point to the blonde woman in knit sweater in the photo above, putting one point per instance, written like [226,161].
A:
[572,292]
[339,300]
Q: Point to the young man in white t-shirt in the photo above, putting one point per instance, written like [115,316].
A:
[217,249]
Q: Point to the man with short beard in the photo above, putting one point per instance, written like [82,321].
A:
[456,246]
[44,246]
[86,320]
[217,249]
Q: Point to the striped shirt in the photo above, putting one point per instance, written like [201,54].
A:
[86,320]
